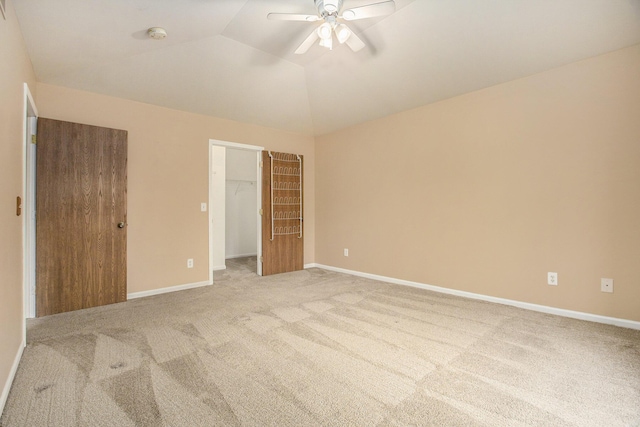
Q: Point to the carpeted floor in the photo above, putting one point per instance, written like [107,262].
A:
[322,348]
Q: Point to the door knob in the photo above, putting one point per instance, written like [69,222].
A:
[121,225]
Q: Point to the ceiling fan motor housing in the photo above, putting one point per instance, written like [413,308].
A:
[328,7]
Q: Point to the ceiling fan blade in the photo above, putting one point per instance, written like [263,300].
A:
[370,11]
[292,17]
[354,42]
[307,43]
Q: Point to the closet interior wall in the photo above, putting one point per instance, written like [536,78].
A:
[240,204]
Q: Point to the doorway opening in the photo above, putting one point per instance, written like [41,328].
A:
[235,194]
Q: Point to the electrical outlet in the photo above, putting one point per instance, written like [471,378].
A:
[346,252]
[606,285]
[190,263]
[552,278]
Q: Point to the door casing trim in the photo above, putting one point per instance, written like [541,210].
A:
[28,212]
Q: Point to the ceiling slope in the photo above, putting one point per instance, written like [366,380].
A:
[224,58]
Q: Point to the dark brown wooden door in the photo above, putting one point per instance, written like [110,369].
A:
[282,219]
[81,210]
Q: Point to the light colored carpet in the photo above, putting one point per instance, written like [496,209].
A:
[322,348]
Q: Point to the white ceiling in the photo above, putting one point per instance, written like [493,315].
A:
[224,58]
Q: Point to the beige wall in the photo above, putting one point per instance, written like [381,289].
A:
[168,178]
[489,191]
[15,70]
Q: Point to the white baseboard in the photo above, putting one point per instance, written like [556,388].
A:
[631,324]
[242,255]
[142,294]
[219,267]
[12,375]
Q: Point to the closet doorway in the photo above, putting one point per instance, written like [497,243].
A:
[235,193]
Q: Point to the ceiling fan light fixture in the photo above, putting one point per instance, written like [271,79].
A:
[342,33]
[324,31]
[328,43]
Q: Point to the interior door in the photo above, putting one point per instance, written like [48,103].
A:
[81,209]
[282,218]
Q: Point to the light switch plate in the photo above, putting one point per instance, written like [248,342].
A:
[203,207]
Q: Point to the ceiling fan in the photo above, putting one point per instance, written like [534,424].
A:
[329,12]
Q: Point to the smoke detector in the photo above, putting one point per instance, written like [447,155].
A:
[157,33]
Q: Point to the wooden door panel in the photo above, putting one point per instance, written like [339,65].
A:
[282,219]
[81,176]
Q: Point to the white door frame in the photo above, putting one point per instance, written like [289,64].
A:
[29,128]
[258,151]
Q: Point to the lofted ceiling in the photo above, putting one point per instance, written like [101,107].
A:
[224,58]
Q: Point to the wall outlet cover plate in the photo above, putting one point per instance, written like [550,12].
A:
[606,285]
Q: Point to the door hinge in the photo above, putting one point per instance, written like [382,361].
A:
[34,139]
[261,163]
[261,211]
[261,259]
